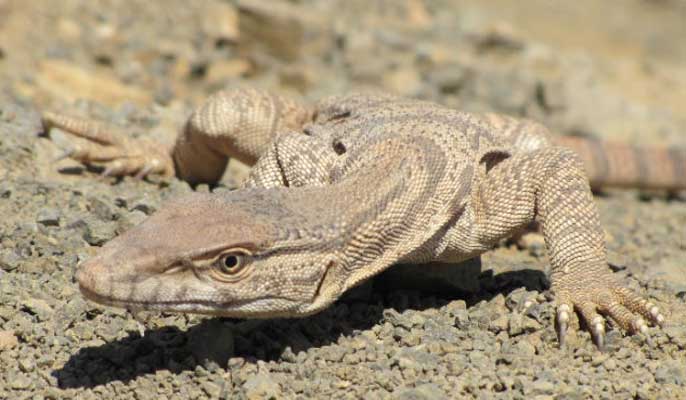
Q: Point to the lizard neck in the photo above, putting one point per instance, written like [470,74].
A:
[372,217]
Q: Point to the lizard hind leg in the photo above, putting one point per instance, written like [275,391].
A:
[81,127]
[239,123]
[94,143]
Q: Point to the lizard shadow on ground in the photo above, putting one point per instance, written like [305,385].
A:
[213,341]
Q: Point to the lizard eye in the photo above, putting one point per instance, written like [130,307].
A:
[230,264]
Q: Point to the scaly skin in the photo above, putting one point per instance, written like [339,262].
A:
[345,189]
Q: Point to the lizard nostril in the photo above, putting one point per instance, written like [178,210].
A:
[81,276]
[86,273]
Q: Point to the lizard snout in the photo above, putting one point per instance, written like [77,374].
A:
[86,275]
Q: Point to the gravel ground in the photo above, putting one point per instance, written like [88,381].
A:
[142,64]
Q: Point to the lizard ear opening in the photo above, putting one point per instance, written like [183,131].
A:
[493,157]
[328,290]
[339,147]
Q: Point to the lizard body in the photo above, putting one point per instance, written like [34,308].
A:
[346,188]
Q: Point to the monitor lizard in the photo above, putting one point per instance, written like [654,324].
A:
[342,189]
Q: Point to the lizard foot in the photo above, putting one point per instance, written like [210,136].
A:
[596,299]
[118,153]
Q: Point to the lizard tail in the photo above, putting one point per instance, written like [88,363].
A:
[613,164]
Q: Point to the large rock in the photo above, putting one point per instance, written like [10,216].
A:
[283,29]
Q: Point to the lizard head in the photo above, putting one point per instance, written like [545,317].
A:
[231,255]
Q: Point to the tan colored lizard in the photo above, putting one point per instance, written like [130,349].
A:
[348,187]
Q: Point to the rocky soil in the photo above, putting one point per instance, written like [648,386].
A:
[581,67]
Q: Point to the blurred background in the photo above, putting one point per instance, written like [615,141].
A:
[614,69]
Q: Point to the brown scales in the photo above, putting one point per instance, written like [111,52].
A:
[624,165]
[344,189]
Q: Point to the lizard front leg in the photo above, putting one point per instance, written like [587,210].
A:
[550,185]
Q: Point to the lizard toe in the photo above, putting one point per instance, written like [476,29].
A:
[125,166]
[595,323]
[114,168]
[87,152]
[639,305]
[629,311]
[151,165]
[67,153]
[145,171]
[590,316]
[626,319]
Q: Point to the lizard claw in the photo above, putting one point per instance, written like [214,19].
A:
[65,154]
[144,171]
[562,319]
[113,169]
[631,312]
[654,313]
[598,332]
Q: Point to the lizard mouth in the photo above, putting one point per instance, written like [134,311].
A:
[182,306]
[146,305]
[110,301]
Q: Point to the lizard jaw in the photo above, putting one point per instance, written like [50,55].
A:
[267,307]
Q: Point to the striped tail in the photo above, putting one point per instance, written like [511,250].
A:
[612,164]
